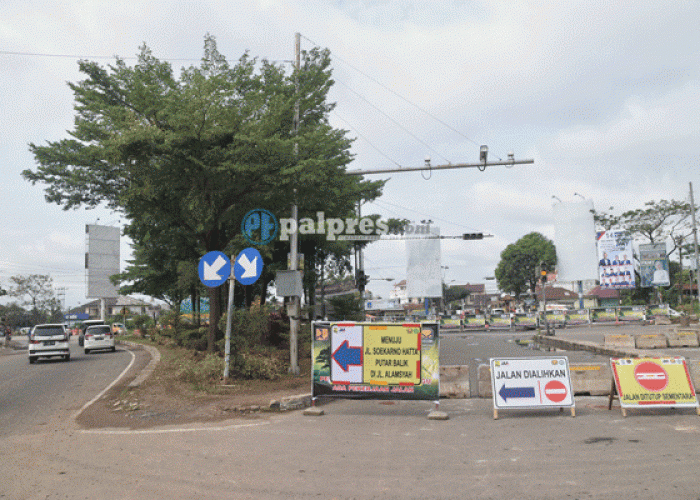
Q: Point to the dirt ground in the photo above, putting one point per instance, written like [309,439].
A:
[164,400]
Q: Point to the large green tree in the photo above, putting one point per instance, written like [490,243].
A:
[518,270]
[185,158]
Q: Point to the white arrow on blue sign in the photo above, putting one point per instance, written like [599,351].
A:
[248,266]
[214,269]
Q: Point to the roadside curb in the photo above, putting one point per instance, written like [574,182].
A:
[146,372]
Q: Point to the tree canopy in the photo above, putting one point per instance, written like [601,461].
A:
[657,221]
[185,158]
[520,262]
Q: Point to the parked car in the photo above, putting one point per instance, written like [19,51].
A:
[118,329]
[99,337]
[84,326]
[48,340]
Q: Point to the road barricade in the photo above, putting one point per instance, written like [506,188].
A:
[484,381]
[454,381]
[591,379]
[621,340]
[651,341]
[683,337]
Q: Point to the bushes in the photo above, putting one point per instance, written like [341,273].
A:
[258,340]
[201,372]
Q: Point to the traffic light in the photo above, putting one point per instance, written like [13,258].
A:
[362,280]
[473,236]
[543,276]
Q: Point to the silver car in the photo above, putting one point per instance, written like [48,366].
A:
[47,341]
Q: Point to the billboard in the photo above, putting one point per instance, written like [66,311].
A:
[423,275]
[573,236]
[101,260]
[653,265]
[615,267]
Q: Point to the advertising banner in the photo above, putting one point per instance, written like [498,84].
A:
[537,382]
[653,265]
[615,267]
[525,321]
[556,318]
[450,324]
[474,322]
[659,310]
[653,382]
[603,315]
[577,317]
[499,322]
[631,313]
[376,360]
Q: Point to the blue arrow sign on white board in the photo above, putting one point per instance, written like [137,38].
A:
[214,269]
[248,266]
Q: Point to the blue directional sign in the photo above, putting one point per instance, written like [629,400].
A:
[214,269]
[248,266]
[346,356]
[516,392]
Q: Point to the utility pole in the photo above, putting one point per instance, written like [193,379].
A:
[295,305]
[695,240]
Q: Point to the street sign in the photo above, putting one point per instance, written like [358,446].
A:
[653,382]
[214,269]
[537,382]
[248,267]
[376,360]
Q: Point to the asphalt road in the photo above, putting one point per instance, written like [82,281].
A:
[474,348]
[32,396]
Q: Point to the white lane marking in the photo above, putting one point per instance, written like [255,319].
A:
[86,405]
[179,429]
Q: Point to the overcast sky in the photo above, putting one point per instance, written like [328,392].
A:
[604,96]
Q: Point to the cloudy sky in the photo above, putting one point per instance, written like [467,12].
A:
[604,96]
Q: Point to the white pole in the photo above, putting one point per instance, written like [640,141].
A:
[227,349]
[695,240]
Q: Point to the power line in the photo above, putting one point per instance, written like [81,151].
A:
[395,122]
[408,101]
[366,140]
[83,57]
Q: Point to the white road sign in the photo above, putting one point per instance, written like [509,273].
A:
[531,382]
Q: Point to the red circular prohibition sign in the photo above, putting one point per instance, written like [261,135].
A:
[651,376]
[555,391]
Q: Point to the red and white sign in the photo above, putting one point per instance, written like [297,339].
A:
[555,391]
[651,376]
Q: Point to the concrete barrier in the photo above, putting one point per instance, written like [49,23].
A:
[623,341]
[454,381]
[590,378]
[651,341]
[694,368]
[484,378]
[683,337]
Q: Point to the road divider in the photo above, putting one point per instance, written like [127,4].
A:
[683,337]
[623,341]
[454,381]
[651,341]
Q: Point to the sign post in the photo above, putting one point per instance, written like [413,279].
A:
[531,383]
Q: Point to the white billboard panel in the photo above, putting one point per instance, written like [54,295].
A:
[101,260]
[574,237]
[423,276]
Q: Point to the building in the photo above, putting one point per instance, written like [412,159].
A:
[122,305]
